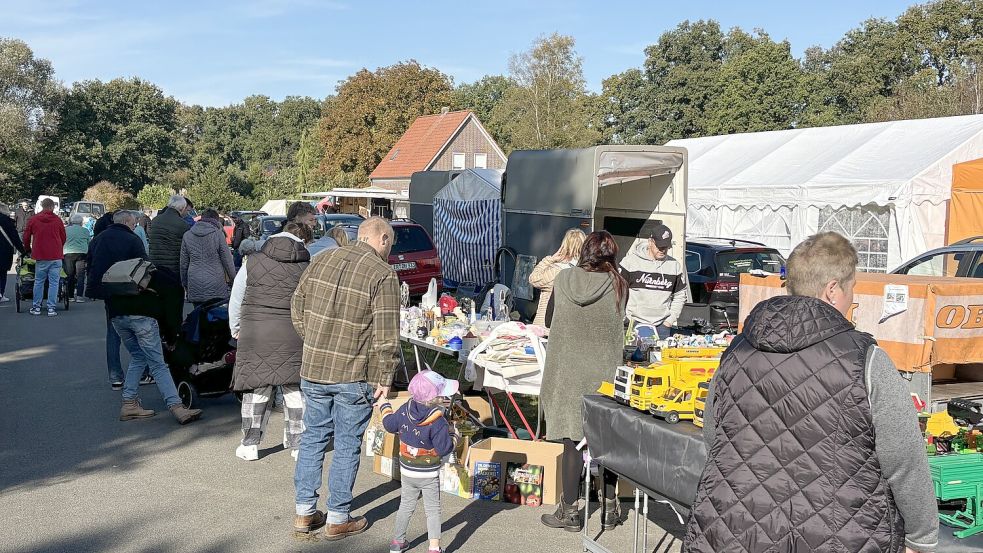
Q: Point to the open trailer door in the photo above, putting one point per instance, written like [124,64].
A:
[625,190]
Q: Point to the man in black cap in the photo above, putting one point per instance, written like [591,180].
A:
[657,288]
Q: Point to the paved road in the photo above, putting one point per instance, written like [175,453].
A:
[74,478]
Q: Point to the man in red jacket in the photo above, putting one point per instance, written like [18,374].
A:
[44,239]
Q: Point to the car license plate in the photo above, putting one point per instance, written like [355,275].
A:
[405,266]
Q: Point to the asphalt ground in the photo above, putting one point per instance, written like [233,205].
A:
[74,478]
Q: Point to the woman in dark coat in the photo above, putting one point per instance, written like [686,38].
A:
[587,339]
[269,351]
[10,243]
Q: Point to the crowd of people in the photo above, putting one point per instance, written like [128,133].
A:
[317,324]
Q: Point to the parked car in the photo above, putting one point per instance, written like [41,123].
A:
[264,226]
[413,257]
[88,210]
[714,267]
[247,216]
[962,259]
[328,221]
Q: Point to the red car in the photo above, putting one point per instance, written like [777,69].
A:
[414,257]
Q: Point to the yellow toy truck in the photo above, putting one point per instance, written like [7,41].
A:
[702,389]
[679,403]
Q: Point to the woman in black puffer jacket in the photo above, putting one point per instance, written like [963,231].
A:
[270,351]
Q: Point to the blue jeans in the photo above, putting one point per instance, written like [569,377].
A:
[141,336]
[50,272]
[112,353]
[339,411]
[663,331]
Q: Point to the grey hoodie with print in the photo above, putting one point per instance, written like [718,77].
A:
[656,289]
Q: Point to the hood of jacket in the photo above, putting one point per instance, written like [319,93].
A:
[420,413]
[286,249]
[638,259]
[787,324]
[582,287]
[204,227]
[47,217]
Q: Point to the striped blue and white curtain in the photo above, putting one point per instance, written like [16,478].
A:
[468,233]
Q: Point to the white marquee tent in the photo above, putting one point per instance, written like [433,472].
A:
[884,185]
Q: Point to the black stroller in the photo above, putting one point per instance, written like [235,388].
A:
[24,284]
[201,361]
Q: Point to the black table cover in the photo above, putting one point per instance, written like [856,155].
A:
[667,459]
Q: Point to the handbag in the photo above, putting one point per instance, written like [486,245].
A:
[127,278]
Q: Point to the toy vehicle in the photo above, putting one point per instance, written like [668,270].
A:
[679,403]
[702,389]
[650,383]
[621,390]
[606,389]
[692,353]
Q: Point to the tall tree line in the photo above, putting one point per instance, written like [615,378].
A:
[697,79]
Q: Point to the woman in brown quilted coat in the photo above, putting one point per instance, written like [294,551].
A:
[269,350]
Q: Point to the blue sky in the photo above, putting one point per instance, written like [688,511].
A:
[216,53]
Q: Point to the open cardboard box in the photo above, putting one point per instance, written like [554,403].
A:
[387,463]
[504,451]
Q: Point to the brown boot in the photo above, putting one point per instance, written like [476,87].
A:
[306,524]
[185,415]
[133,410]
[355,525]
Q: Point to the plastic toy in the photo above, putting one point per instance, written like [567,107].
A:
[702,389]
[960,477]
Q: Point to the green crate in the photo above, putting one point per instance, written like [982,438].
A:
[958,477]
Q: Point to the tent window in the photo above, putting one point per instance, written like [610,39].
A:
[765,226]
[868,227]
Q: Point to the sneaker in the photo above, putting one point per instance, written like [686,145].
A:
[116,385]
[437,550]
[4,299]
[52,313]
[293,453]
[398,546]
[147,379]
[79,299]
[247,452]
[35,311]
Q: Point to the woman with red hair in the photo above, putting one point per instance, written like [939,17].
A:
[586,344]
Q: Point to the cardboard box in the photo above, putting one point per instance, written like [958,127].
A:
[504,451]
[387,463]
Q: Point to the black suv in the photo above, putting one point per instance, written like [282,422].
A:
[715,265]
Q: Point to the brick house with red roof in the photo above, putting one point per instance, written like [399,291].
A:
[447,141]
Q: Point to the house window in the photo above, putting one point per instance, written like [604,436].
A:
[481,161]
[458,161]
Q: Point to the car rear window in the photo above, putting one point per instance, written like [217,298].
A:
[272,225]
[410,240]
[84,209]
[731,265]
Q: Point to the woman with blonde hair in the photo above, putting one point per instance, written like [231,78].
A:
[544,274]
[340,236]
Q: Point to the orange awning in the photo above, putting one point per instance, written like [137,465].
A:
[966,205]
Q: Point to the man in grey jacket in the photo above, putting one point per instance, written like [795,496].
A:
[656,284]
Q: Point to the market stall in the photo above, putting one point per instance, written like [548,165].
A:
[931,327]
[467,215]
[666,461]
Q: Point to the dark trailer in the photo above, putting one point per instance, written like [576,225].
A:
[424,185]
[625,190]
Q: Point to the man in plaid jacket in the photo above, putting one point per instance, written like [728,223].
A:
[346,309]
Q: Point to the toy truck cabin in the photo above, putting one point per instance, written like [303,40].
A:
[623,377]
[649,383]
[702,390]
[677,404]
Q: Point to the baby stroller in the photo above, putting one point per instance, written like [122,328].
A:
[201,360]
[24,284]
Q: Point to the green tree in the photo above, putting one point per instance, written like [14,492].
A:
[123,131]
[683,70]
[154,196]
[29,101]
[624,109]
[308,161]
[372,109]
[759,86]
[549,106]
[211,189]
[481,97]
